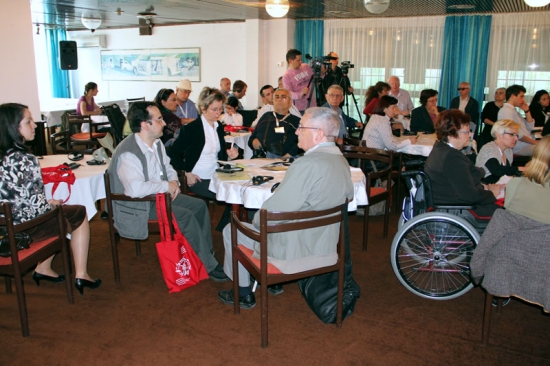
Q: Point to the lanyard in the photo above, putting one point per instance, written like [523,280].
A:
[184,112]
[277,119]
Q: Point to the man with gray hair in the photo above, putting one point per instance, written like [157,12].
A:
[319,180]
[404,101]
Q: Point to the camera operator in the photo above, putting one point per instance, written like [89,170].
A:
[296,79]
[335,75]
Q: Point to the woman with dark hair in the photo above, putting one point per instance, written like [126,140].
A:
[201,144]
[86,104]
[167,104]
[530,196]
[231,116]
[378,131]
[21,185]
[540,108]
[423,117]
[454,178]
[373,93]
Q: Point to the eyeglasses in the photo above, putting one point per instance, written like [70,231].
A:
[460,89]
[159,119]
[335,95]
[464,132]
[511,134]
[282,97]
[215,110]
[300,127]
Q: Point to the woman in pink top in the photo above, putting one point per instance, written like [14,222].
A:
[86,104]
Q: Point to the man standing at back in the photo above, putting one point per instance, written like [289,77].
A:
[186,109]
[140,167]
[296,80]
[515,98]
[404,101]
[321,179]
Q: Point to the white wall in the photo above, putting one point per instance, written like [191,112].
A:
[17,66]
[247,50]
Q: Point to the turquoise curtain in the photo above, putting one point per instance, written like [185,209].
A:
[59,79]
[309,37]
[465,53]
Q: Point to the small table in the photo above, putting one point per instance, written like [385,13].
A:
[423,146]
[241,140]
[86,190]
[242,192]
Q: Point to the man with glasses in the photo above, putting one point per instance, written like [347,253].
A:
[335,96]
[186,109]
[275,131]
[515,98]
[267,93]
[465,103]
[140,167]
[319,180]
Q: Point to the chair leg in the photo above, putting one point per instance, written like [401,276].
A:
[386,218]
[138,248]
[263,292]
[365,228]
[22,304]
[114,253]
[486,318]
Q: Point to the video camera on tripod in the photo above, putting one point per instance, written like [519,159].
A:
[318,62]
[345,66]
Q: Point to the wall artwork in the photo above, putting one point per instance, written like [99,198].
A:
[171,64]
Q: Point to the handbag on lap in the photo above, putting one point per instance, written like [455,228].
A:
[181,267]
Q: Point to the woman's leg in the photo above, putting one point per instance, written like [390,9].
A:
[45,267]
[80,242]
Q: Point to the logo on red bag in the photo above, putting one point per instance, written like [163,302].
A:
[183,268]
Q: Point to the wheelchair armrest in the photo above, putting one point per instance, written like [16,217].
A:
[453,207]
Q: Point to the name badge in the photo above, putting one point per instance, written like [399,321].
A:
[279,129]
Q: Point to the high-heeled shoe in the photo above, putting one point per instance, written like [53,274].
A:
[80,283]
[37,277]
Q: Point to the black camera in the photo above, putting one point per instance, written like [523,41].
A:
[345,66]
[318,62]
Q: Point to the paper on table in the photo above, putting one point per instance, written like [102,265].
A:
[233,176]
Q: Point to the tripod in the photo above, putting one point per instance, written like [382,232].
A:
[344,83]
[316,79]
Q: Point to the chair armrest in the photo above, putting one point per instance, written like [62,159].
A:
[247,231]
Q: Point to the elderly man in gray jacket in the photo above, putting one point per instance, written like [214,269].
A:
[321,179]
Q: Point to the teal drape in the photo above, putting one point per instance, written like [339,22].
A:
[465,53]
[309,37]
[59,79]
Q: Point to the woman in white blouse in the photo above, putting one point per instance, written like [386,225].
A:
[231,117]
[378,132]
[201,144]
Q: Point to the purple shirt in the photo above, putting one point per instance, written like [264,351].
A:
[295,81]
[89,107]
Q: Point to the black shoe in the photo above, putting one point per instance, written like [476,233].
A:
[275,289]
[504,302]
[218,275]
[37,277]
[80,283]
[245,302]
[104,215]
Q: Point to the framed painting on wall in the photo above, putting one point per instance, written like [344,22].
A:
[171,64]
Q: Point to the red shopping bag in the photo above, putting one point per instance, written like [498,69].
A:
[59,174]
[181,267]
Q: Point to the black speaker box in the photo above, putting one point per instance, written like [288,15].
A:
[68,56]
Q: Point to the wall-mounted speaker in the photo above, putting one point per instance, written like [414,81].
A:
[68,56]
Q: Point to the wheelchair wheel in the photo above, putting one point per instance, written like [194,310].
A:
[431,255]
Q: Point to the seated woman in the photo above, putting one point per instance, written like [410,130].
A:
[540,108]
[373,93]
[530,195]
[231,117]
[454,178]
[423,117]
[496,157]
[23,188]
[201,144]
[86,104]
[167,104]
[378,131]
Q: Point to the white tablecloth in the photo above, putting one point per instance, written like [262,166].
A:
[86,190]
[405,121]
[244,193]
[101,118]
[423,146]
[241,140]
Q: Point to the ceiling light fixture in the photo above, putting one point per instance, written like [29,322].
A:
[91,20]
[537,3]
[277,8]
[376,6]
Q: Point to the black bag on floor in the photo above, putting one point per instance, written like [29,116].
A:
[321,292]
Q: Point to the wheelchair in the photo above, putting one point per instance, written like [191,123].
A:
[431,252]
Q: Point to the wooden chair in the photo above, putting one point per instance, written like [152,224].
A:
[267,274]
[364,156]
[129,101]
[21,262]
[153,226]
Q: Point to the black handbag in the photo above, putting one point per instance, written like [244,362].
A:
[22,241]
